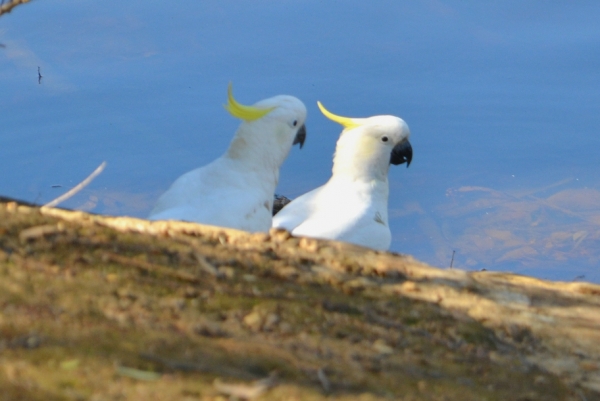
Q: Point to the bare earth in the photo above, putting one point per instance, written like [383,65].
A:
[99,308]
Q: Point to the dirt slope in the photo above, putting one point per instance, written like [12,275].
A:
[97,308]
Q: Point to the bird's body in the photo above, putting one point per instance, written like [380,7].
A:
[353,205]
[236,190]
[222,193]
[343,210]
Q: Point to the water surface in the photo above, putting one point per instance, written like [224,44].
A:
[502,101]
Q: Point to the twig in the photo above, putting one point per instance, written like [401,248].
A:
[245,391]
[6,8]
[77,188]
[39,231]
[40,76]
[452,260]
[207,267]
[137,373]
[325,383]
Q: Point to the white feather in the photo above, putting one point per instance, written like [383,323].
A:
[353,205]
[236,190]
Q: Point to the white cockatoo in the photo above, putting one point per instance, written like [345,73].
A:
[236,190]
[353,205]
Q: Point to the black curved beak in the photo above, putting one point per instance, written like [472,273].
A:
[300,136]
[402,153]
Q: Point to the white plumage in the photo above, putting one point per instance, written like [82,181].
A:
[236,190]
[353,205]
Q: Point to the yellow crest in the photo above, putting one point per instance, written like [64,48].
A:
[247,113]
[346,122]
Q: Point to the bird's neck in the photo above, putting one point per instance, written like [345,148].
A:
[253,150]
[368,191]
[350,160]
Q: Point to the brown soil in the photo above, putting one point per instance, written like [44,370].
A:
[105,308]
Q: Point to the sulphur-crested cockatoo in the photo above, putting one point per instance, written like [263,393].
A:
[236,190]
[353,205]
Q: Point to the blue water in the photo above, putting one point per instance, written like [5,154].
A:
[502,100]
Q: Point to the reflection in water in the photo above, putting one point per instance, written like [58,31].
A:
[537,230]
[534,228]
[114,203]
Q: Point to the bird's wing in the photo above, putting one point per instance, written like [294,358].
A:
[329,214]
[322,213]
[369,230]
[337,211]
[297,211]
[216,196]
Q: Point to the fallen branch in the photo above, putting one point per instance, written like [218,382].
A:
[6,8]
[78,187]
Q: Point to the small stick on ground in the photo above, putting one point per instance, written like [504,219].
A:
[245,391]
[324,380]
[77,188]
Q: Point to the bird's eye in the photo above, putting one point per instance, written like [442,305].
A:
[384,138]
[295,123]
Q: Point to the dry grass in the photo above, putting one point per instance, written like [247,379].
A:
[159,311]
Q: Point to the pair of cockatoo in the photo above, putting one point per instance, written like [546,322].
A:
[237,189]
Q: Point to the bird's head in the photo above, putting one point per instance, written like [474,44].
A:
[273,123]
[371,143]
